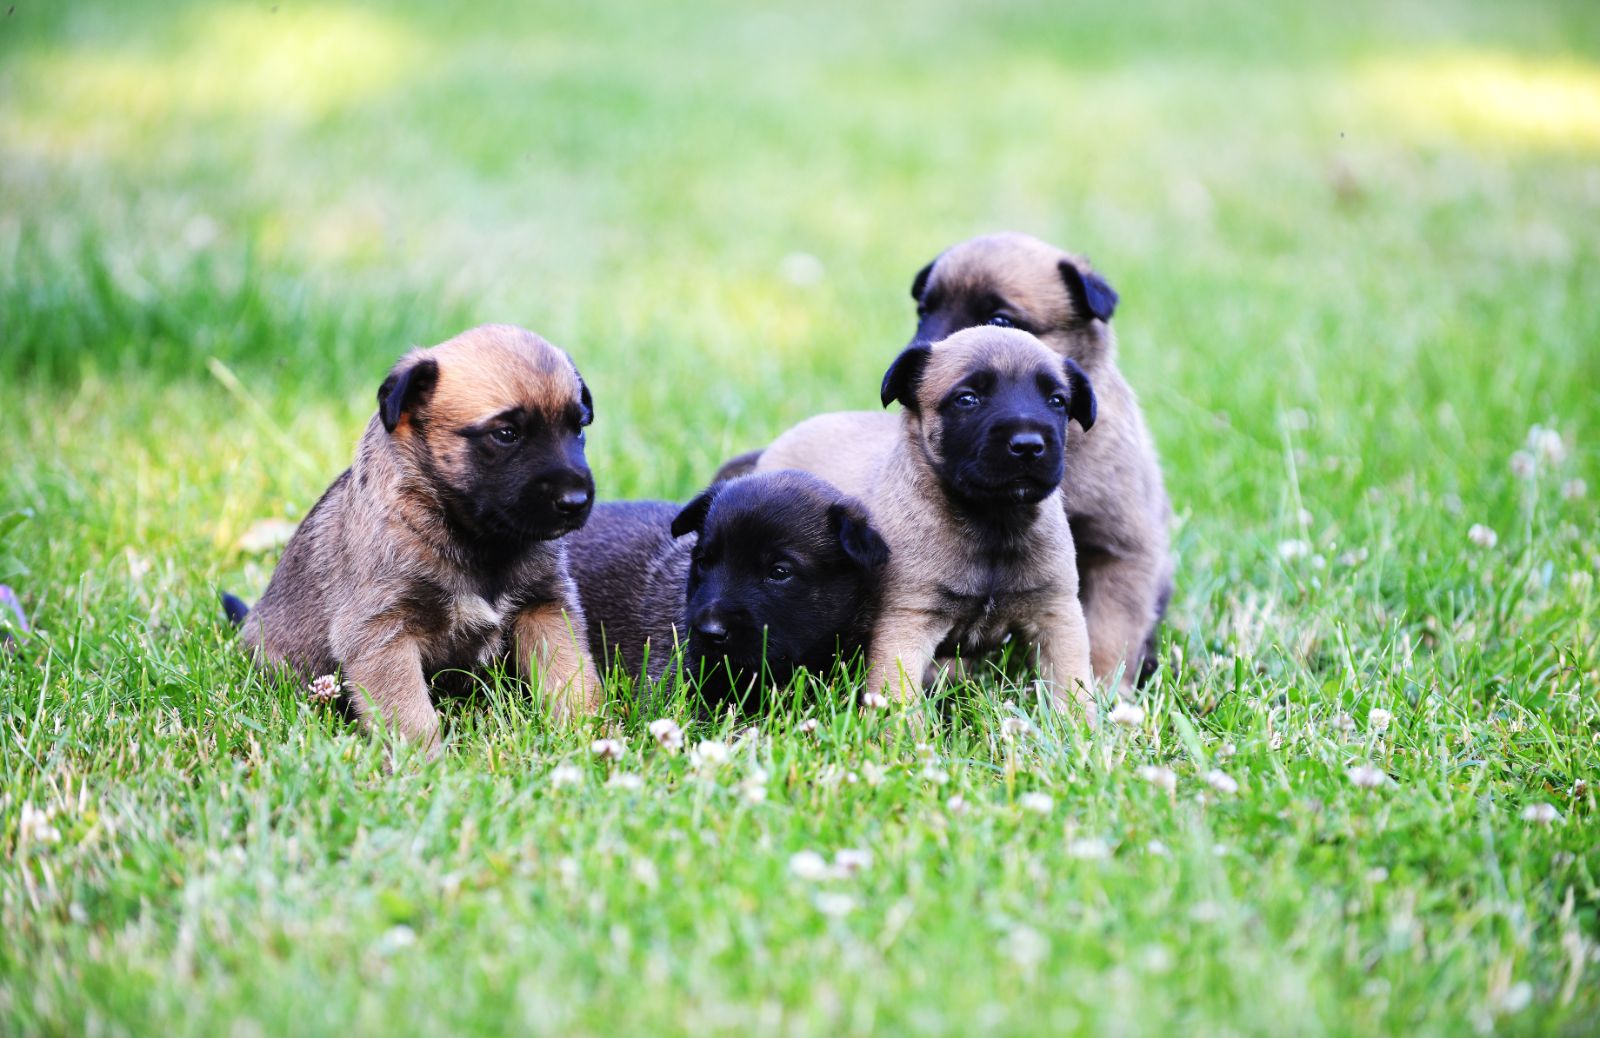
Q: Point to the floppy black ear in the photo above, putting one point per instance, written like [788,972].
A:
[1091,293]
[1082,405]
[900,381]
[585,401]
[856,536]
[920,282]
[407,386]
[693,517]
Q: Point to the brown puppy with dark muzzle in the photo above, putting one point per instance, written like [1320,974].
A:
[967,493]
[1113,491]
[437,549]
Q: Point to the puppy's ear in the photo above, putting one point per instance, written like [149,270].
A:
[1081,407]
[900,381]
[408,386]
[1092,295]
[920,282]
[861,543]
[693,517]
[585,401]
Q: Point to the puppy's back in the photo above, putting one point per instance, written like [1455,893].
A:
[846,448]
[631,573]
[291,622]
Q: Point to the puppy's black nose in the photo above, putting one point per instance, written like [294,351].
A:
[1026,444]
[573,500]
[711,631]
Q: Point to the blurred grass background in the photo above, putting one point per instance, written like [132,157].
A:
[1356,246]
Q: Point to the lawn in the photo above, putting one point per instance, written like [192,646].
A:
[1358,248]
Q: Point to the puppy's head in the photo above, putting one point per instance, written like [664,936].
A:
[492,422]
[1012,280]
[783,576]
[991,407]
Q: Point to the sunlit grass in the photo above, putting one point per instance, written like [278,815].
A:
[1491,98]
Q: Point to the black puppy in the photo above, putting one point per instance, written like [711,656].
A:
[756,578]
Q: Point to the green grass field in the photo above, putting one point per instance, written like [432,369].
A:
[1359,256]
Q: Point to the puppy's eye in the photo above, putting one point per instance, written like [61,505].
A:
[966,398]
[505,436]
[780,572]
[1058,401]
[1001,321]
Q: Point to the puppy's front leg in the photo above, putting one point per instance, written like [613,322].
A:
[1063,647]
[903,642]
[552,634]
[388,683]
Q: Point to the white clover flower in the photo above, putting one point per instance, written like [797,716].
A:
[1344,723]
[808,726]
[626,781]
[1482,536]
[1378,719]
[1516,998]
[872,773]
[1220,781]
[1157,849]
[933,773]
[396,938]
[833,904]
[849,861]
[1366,776]
[754,786]
[564,775]
[667,733]
[645,874]
[708,755]
[809,865]
[1089,848]
[1038,803]
[1541,814]
[1573,489]
[956,805]
[1163,778]
[324,689]
[1025,946]
[1294,549]
[608,749]
[1128,715]
[1547,444]
[874,700]
[1014,726]
[1523,465]
[35,826]
[1226,751]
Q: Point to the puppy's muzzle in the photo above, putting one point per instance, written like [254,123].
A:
[1026,445]
[569,496]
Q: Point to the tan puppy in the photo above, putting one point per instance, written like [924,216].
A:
[436,550]
[1113,492]
[965,487]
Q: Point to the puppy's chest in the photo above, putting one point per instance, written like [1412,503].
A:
[466,629]
[985,610]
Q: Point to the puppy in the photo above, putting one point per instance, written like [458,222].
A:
[754,579]
[966,486]
[1113,491]
[437,549]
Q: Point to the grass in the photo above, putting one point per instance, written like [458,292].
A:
[1358,256]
